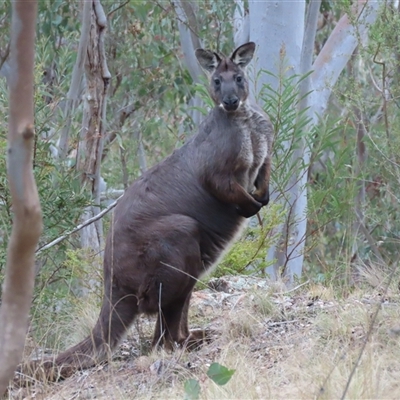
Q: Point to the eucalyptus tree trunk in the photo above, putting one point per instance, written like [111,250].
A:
[285,35]
[282,25]
[27,223]
[190,41]
[91,143]
[75,89]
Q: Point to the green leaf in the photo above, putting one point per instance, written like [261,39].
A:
[220,374]
[57,20]
[192,389]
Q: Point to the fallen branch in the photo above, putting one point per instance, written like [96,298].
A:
[79,227]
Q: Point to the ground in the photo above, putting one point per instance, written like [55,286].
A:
[298,344]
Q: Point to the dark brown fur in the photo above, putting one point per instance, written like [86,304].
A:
[174,222]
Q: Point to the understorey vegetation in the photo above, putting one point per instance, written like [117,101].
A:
[330,233]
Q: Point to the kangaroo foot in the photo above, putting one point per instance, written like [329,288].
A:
[197,337]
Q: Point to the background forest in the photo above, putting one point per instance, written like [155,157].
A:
[334,218]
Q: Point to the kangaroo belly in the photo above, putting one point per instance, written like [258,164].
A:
[148,201]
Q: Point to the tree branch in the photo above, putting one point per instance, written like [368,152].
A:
[79,227]
[110,13]
[336,53]
[123,115]
[310,31]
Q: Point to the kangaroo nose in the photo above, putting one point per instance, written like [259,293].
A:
[231,103]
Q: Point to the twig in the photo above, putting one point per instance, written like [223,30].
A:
[283,322]
[123,115]
[259,220]
[110,13]
[177,16]
[79,227]
[369,238]
[383,91]
[374,81]
[294,289]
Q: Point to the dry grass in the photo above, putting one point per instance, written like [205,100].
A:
[301,345]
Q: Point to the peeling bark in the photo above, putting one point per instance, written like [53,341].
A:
[27,223]
[91,144]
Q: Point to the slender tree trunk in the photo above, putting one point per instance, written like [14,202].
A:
[91,144]
[190,41]
[281,23]
[74,91]
[285,43]
[241,23]
[27,223]
[278,29]
[297,188]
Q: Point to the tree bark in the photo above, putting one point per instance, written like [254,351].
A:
[27,224]
[190,42]
[74,91]
[278,28]
[241,24]
[285,42]
[336,53]
[91,144]
[283,24]
[296,227]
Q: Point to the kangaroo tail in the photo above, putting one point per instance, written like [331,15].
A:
[117,314]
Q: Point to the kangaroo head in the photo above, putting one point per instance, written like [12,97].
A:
[229,86]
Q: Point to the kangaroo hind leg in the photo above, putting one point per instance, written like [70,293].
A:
[174,263]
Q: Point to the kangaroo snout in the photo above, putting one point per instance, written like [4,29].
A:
[230,103]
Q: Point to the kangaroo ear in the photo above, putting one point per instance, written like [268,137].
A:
[208,60]
[243,54]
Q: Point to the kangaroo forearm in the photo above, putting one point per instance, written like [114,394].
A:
[261,183]
[242,198]
[229,191]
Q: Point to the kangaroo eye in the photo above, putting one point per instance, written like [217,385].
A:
[217,81]
[239,79]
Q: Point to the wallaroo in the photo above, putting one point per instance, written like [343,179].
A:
[174,222]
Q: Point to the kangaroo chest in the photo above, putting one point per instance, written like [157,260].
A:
[253,129]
